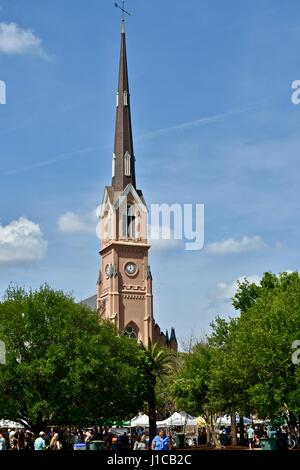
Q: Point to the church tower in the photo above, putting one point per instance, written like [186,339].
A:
[124,289]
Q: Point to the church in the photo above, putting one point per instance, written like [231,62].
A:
[124,288]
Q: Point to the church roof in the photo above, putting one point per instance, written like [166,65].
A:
[173,335]
[90,302]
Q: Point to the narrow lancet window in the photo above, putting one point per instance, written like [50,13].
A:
[131,221]
[114,165]
[127,164]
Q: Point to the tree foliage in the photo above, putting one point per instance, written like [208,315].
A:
[246,365]
[157,365]
[63,365]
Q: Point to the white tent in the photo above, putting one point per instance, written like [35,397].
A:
[226,420]
[178,419]
[5,423]
[140,421]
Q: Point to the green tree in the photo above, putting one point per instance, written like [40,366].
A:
[253,371]
[265,333]
[246,365]
[165,403]
[227,384]
[63,365]
[191,387]
[157,364]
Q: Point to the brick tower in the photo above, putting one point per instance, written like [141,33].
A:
[124,289]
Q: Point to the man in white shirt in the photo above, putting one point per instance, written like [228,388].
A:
[250,435]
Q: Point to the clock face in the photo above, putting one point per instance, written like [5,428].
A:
[107,270]
[130,268]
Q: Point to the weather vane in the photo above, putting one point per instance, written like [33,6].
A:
[122,8]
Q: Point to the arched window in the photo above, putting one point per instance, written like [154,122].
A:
[127,169]
[130,332]
[114,158]
[131,221]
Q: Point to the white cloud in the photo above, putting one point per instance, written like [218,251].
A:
[225,291]
[21,243]
[15,40]
[200,122]
[70,222]
[231,245]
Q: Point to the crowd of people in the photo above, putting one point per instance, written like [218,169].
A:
[57,440]
[138,439]
[26,440]
[253,435]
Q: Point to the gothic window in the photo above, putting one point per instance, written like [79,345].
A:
[130,332]
[127,159]
[114,165]
[117,99]
[131,221]
[125,98]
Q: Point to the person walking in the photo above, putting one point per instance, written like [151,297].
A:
[161,441]
[140,444]
[55,443]
[39,443]
[29,445]
[13,442]
[250,435]
[3,445]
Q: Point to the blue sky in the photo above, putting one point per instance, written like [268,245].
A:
[213,123]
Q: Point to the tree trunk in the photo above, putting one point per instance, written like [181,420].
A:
[215,441]
[40,425]
[207,429]
[233,430]
[242,430]
[152,417]
[208,436]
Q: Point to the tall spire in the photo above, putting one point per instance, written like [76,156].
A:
[123,157]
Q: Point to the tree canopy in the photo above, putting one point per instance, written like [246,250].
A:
[245,365]
[63,365]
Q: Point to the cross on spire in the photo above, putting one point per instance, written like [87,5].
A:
[122,8]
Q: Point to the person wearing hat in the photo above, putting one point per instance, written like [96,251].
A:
[39,443]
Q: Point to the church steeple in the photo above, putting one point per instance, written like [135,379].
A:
[123,165]
[124,288]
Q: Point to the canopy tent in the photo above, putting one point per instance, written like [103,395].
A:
[140,421]
[226,420]
[178,419]
[201,423]
[5,423]
[117,424]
